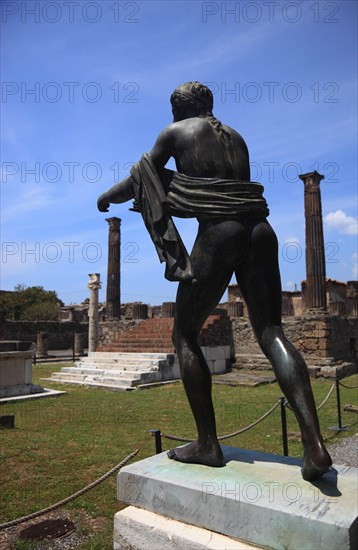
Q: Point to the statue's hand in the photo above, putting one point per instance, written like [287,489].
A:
[102,203]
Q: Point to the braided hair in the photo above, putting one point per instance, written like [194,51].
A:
[198,98]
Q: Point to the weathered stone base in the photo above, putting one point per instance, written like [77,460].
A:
[16,369]
[257,497]
[46,392]
[138,529]
[20,389]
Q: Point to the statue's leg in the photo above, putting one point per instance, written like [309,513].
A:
[213,262]
[259,279]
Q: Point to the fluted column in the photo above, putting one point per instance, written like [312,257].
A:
[94,285]
[315,257]
[113,295]
[352,299]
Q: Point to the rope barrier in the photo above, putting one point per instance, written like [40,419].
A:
[327,397]
[221,438]
[348,387]
[70,498]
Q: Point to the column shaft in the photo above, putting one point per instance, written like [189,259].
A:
[113,294]
[315,256]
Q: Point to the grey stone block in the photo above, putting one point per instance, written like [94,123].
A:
[257,497]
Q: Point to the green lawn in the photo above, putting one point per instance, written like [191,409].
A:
[63,443]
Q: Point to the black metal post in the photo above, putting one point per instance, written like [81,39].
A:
[284,426]
[158,441]
[73,350]
[338,405]
[338,428]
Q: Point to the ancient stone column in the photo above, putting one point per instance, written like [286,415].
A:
[315,257]
[336,308]
[140,311]
[78,343]
[42,344]
[236,309]
[168,309]
[352,299]
[113,297]
[94,285]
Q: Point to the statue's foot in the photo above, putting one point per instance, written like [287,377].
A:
[316,462]
[197,454]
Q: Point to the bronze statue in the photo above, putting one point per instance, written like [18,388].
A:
[234,236]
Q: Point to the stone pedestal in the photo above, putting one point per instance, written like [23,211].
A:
[78,344]
[138,529]
[16,369]
[42,345]
[257,497]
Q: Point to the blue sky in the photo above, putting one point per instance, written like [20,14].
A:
[85,91]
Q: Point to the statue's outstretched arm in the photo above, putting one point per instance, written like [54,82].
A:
[120,192]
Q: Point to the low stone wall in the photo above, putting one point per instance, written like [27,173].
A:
[218,334]
[60,334]
[108,330]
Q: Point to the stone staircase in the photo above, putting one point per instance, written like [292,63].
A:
[149,336]
[152,336]
[119,370]
[142,355]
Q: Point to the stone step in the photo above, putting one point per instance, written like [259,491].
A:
[117,373]
[113,387]
[128,356]
[119,365]
[133,369]
[140,348]
[102,379]
[108,379]
[70,376]
[156,344]
[160,338]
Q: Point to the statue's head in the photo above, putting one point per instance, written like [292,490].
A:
[191,99]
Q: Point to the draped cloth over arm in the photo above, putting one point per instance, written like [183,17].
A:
[153,205]
[188,197]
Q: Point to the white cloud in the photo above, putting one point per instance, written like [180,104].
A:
[341,222]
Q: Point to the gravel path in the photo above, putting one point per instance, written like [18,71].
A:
[345,451]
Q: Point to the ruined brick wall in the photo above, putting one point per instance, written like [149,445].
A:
[322,336]
[60,334]
[244,340]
